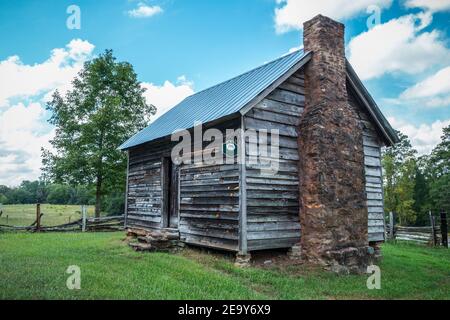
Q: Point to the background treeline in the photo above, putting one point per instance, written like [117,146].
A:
[415,185]
[32,192]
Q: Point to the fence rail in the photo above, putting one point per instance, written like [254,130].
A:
[434,235]
[109,223]
[115,223]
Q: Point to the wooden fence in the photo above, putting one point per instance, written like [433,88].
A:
[109,223]
[435,234]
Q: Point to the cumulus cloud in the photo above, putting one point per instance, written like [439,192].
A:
[291,14]
[21,80]
[23,127]
[424,137]
[431,5]
[168,95]
[145,11]
[21,139]
[436,87]
[398,46]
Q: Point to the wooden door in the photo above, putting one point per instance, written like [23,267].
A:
[170,193]
[174,196]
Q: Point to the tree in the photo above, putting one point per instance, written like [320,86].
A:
[3,199]
[439,171]
[58,194]
[399,165]
[104,108]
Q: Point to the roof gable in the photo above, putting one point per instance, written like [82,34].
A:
[219,101]
[388,133]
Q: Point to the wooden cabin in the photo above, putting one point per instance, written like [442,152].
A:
[238,206]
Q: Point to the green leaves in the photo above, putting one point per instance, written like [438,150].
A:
[105,107]
[399,164]
[414,186]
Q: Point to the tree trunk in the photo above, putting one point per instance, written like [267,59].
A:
[98,197]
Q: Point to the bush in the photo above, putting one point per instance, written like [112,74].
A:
[114,205]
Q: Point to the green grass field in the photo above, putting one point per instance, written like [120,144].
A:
[25,214]
[33,266]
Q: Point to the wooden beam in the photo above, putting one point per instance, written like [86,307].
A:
[243,241]
[165,193]
[127,189]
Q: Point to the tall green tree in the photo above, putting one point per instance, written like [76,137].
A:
[422,191]
[439,171]
[399,166]
[105,106]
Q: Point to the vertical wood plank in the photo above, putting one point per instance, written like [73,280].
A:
[391,225]
[38,217]
[179,196]
[165,193]
[84,213]
[127,190]
[433,228]
[444,229]
[243,241]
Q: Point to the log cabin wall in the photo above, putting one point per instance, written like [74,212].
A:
[373,171]
[144,200]
[208,195]
[273,199]
[209,202]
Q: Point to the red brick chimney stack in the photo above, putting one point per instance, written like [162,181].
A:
[333,212]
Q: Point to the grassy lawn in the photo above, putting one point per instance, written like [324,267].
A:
[25,214]
[32,266]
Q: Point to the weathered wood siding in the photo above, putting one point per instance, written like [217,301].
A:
[373,170]
[209,206]
[145,185]
[273,199]
[209,202]
[208,194]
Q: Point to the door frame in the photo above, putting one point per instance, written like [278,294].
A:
[167,196]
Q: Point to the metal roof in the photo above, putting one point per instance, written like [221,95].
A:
[218,101]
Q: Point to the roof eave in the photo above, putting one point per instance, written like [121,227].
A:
[382,123]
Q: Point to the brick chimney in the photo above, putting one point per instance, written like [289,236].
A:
[333,212]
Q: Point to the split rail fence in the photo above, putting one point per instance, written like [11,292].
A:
[436,234]
[109,223]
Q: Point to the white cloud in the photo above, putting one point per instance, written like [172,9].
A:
[20,80]
[21,139]
[291,14]
[432,5]
[23,127]
[398,46]
[435,85]
[423,137]
[145,11]
[168,95]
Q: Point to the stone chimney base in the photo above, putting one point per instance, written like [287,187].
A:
[349,260]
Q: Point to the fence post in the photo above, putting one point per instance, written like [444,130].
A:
[433,228]
[391,225]
[38,217]
[444,228]
[84,212]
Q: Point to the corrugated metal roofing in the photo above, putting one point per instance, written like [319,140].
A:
[216,102]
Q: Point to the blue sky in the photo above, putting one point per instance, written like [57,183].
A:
[178,47]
